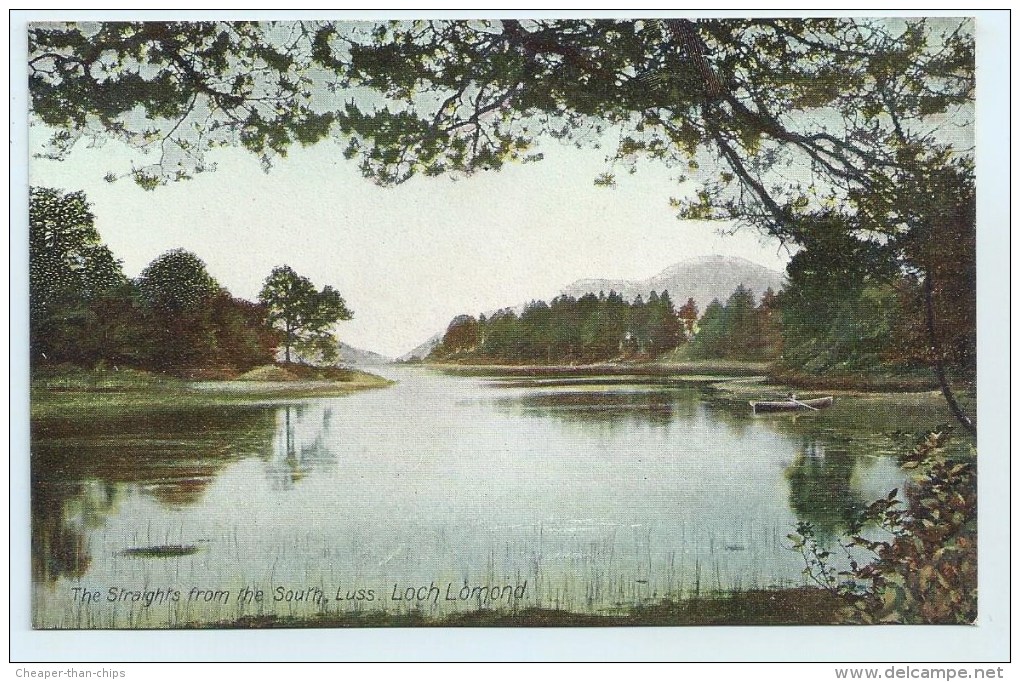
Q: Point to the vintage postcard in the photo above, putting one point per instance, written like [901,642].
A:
[503,322]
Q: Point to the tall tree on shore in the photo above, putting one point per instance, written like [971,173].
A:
[305,315]
[742,324]
[830,317]
[711,341]
[176,282]
[462,334]
[665,328]
[176,291]
[69,270]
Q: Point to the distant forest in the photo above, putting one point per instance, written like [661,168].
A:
[596,328]
[845,309]
[588,329]
[836,315]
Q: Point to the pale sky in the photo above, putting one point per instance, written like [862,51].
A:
[406,259]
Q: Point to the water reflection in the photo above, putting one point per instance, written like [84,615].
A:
[866,426]
[303,442]
[608,407]
[83,467]
[821,487]
[823,476]
[599,494]
[61,516]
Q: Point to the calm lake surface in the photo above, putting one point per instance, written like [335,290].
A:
[591,494]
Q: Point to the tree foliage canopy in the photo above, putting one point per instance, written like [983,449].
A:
[742,329]
[303,313]
[177,281]
[774,116]
[775,120]
[592,328]
[68,261]
[69,267]
[84,311]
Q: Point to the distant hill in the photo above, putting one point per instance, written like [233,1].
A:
[702,279]
[349,355]
[422,351]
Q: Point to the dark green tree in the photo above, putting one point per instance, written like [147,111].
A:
[116,330]
[665,329]
[502,336]
[536,331]
[743,330]
[305,315]
[565,334]
[739,330]
[712,333]
[601,329]
[177,282]
[837,307]
[176,291]
[70,270]
[462,335]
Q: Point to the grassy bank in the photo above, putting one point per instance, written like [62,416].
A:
[57,391]
[886,379]
[734,394]
[790,606]
[772,378]
[914,381]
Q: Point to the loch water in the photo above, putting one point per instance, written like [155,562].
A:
[444,493]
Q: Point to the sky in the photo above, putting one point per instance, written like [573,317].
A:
[407,259]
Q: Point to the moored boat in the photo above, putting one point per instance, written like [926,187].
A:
[790,404]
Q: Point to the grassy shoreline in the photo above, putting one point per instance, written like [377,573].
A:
[56,392]
[697,367]
[768,377]
[781,606]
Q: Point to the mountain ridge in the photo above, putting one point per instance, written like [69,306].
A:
[421,351]
[703,279]
[360,357]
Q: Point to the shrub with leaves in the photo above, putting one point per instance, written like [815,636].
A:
[924,566]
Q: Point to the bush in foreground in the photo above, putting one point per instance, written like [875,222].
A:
[925,570]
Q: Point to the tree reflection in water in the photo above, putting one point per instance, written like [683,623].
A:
[62,513]
[609,407]
[821,488]
[302,443]
[82,468]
